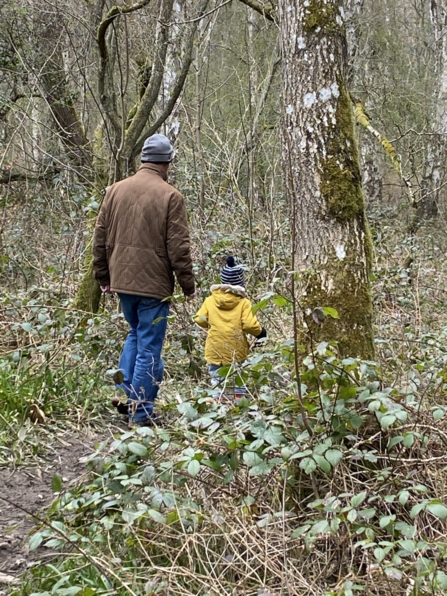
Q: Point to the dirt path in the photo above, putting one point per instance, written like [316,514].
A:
[30,487]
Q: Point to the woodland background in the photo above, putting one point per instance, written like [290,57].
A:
[330,478]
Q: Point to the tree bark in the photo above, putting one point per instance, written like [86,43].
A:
[434,171]
[332,245]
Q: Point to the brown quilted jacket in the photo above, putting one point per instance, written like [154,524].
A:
[141,237]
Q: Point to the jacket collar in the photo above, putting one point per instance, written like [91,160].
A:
[155,168]
[238,290]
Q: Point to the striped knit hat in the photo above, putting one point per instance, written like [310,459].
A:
[232,274]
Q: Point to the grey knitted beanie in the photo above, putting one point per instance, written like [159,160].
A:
[232,274]
[157,149]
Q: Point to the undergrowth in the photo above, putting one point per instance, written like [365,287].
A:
[343,493]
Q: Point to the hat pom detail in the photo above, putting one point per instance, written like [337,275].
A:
[230,261]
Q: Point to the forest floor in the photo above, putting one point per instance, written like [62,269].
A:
[27,492]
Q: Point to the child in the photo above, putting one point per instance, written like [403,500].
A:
[227,316]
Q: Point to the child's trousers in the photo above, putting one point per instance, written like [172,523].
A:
[225,384]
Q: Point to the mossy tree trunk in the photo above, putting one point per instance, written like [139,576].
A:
[332,245]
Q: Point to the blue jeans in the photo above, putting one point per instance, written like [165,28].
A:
[141,361]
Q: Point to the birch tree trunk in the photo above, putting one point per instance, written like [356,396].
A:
[434,174]
[332,246]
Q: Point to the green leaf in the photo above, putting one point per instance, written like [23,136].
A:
[416,509]
[380,554]
[130,515]
[438,510]
[27,327]
[441,579]
[251,458]
[300,531]
[330,312]
[357,500]
[333,456]
[280,301]
[137,448]
[263,468]
[438,414]
[394,441]
[408,545]
[308,464]
[68,591]
[193,467]
[157,516]
[408,440]
[323,464]
[387,421]
[352,515]
[273,436]
[56,483]
[404,495]
[35,541]
[386,520]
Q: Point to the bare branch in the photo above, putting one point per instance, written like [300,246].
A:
[267,11]
[114,12]
[152,91]
[178,86]
[105,76]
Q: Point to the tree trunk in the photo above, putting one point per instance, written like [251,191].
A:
[332,245]
[372,170]
[434,173]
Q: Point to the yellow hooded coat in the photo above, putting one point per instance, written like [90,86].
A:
[227,316]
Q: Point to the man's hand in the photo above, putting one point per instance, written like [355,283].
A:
[105,289]
[191,296]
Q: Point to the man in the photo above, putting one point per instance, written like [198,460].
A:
[141,239]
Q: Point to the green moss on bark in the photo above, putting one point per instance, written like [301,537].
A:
[322,17]
[344,282]
[341,183]
[350,296]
